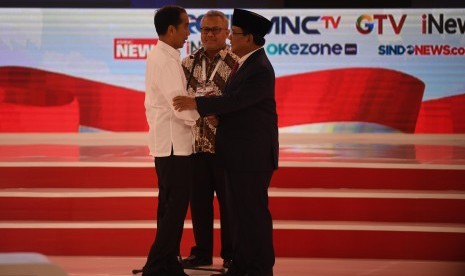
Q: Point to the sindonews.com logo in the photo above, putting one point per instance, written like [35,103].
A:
[305,49]
[421,50]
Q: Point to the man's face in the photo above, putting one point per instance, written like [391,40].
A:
[238,41]
[213,33]
[181,32]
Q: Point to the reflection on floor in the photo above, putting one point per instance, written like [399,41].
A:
[349,150]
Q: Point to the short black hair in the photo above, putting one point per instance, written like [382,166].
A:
[166,16]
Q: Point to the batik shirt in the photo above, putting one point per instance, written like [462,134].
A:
[204,132]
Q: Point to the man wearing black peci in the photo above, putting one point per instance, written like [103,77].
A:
[246,143]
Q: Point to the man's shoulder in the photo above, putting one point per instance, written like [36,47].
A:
[258,57]
[228,57]
[154,53]
[187,63]
[188,60]
[227,53]
[159,57]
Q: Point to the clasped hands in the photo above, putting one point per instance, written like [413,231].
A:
[181,103]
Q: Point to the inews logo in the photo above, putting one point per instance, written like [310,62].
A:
[139,48]
[132,48]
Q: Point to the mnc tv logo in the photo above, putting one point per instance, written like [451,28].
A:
[304,24]
[312,25]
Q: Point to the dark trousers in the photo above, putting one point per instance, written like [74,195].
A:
[208,179]
[174,177]
[247,198]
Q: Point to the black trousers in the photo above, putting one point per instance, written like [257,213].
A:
[208,179]
[247,198]
[174,181]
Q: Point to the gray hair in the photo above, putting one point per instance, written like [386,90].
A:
[212,13]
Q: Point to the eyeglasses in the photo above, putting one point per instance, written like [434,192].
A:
[214,30]
[236,33]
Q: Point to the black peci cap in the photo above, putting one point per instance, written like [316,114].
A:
[251,22]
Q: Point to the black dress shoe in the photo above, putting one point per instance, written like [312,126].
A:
[227,263]
[227,274]
[196,261]
[165,273]
[219,274]
[162,273]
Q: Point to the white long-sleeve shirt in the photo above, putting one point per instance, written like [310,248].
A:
[164,80]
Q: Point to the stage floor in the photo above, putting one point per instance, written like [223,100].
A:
[119,266]
[420,151]
[129,150]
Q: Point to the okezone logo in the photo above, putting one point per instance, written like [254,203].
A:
[314,49]
[132,48]
[366,24]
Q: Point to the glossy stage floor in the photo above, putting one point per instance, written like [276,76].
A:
[343,204]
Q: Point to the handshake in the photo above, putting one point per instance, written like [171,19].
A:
[181,103]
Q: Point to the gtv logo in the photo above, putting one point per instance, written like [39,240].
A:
[366,23]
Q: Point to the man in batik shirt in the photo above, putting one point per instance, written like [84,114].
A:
[207,71]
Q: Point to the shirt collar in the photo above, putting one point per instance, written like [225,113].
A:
[245,57]
[222,53]
[176,54]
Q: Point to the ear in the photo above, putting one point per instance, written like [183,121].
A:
[171,29]
[250,38]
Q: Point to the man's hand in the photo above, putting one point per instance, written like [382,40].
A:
[213,120]
[181,103]
[210,94]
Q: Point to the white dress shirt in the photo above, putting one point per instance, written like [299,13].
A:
[245,57]
[164,80]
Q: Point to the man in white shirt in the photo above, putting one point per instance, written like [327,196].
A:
[170,139]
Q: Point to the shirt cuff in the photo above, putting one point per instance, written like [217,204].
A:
[189,123]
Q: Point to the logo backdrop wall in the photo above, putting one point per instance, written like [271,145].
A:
[71,70]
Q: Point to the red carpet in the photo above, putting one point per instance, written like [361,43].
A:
[390,197]
[296,195]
